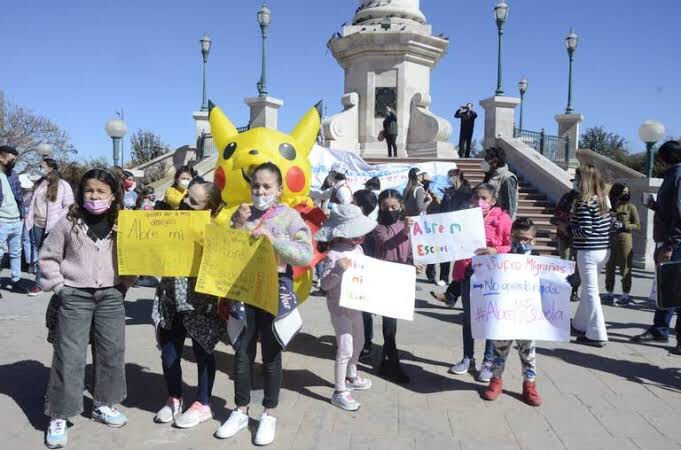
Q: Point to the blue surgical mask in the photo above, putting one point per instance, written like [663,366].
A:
[521,248]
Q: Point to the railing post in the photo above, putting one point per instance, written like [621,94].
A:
[567,151]
[541,142]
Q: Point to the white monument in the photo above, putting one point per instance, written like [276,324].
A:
[387,54]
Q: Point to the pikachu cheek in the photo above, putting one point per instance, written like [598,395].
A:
[295,179]
[219,178]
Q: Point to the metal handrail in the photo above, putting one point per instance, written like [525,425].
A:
[555,148]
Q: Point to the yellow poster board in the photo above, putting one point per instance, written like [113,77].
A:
[161,243]
[238,267]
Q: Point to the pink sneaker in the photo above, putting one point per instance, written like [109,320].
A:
[196,414]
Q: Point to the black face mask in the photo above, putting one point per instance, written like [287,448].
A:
[625,197]
[9,166]
[389,217]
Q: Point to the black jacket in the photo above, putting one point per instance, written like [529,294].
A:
[467,121]
[667,224]
[456,199]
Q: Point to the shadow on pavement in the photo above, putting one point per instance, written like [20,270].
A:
[25,382]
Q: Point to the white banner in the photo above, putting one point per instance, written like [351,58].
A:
[357,171]
[520,297]
[379,287]
[447,237]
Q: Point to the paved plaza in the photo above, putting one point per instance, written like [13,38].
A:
[623,396]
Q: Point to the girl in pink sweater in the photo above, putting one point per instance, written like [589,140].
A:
[498,235]
[344,230]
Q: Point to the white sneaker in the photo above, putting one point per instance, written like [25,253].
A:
[266,430]
[358,384]
[57,436]
[344,401]
[236,422]
[193,416]
[172,409]
[441,283]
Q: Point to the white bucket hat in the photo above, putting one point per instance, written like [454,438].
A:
[345,221]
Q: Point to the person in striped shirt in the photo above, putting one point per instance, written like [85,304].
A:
[590,224]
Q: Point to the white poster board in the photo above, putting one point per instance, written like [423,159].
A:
[520,297]
[379,287]
[447,237]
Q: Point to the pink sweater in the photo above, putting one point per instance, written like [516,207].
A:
[56,209]
[73,259]
[332,274]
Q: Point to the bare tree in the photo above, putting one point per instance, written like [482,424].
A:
[145,146]
[23,129]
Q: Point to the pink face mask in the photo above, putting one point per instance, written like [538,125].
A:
[97,207]
[484,205]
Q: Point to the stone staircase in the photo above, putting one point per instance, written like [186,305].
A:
[532,203]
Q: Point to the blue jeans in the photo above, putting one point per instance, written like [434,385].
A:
[37,237]
[663,317]
[10,232]
[468,341]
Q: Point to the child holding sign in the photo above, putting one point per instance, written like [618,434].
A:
[523,234]
[78,263]
[498,236]
[344,230]
[178,312]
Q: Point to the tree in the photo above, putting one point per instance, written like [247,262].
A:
[23,129]
[605,143]
[73,170]
[145,146]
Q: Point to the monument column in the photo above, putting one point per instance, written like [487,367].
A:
[499,118]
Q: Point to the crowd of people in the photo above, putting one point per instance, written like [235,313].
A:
[74,233]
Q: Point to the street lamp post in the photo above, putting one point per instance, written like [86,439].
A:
[571,42]
[264,20]
[205,49]
[116,129]
[651,132]
[501,15]
[522,86]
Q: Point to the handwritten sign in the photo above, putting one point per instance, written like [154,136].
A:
[238,267]
[521,297]
[160,243]
[379,287]
[447,237]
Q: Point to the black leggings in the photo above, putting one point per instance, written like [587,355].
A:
[392,146]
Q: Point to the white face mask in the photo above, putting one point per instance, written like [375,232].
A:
[263,202]
[183,184]
[485,166]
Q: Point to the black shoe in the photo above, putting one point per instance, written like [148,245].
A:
[574,331]
[649,336]
[586,341]
[17,288]
[676,350]
[366,353]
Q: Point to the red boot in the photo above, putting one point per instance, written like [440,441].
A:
[493,389]
[530,394]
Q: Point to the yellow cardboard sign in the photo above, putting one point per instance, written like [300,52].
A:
[161,243]
[238,267]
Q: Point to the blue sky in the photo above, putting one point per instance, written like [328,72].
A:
[78,61]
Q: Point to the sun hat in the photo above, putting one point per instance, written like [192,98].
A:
[345,221]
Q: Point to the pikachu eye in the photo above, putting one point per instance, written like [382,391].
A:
[229,150]
[287,151]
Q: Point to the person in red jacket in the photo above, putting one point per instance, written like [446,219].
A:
[498,235]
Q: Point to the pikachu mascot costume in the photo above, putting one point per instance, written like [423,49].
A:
[239,153]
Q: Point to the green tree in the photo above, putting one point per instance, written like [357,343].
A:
[145,146]
[603,142]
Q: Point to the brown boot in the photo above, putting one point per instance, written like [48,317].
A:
[530,394]
[493,390]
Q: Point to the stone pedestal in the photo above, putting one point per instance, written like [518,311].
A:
[201,122]
[568,126]
[264,111]
[644,245]
[499,118]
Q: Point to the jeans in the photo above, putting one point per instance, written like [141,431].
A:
[258,323]
[37,237]
[172,343]
[10,232]
[465,141]
[444,271]
[389,344]
[527,351]
[468,341]
[368,320]
[589,315]
[663,317]
[79,310]
[392,146]
[349,328]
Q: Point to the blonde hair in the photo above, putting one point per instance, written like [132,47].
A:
[592,186]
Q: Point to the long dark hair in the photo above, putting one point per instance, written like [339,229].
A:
[412,182]
[77,212]
[616,192]
[52,179]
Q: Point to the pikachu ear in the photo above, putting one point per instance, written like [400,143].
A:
[222,129]
[306,131]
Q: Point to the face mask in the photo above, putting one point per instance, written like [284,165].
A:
[389,217]
[127,184]
[521,248]
[484,205]
[485,166]
[10,165]
[452,181]
[263,202]
[42,172]
[625,197]
[183,184]
[97,207]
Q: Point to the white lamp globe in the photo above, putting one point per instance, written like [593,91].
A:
[651,131]
[116,128]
